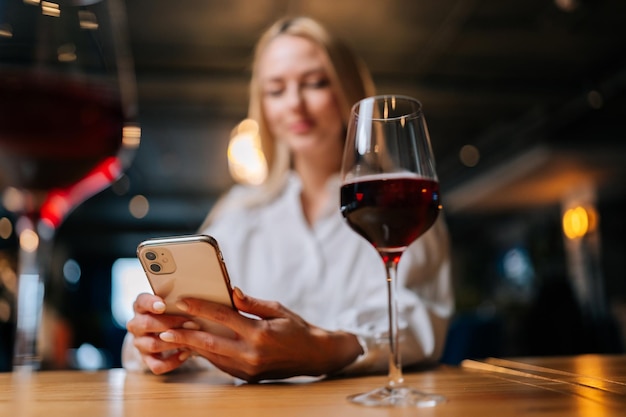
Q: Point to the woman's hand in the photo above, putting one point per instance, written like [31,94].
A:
[149,321]
[279,344]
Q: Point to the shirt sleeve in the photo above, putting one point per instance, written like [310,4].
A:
[131,359]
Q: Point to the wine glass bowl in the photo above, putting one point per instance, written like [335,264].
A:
[390,196]
[67,89]
[54,130]
[390,210]
[68,127]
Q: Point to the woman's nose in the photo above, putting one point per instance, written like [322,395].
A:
[294,97]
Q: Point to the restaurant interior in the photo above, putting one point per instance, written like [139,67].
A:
[526,105]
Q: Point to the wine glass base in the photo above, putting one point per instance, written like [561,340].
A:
[396,397]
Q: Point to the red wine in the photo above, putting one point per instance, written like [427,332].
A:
[391,211]
[54,131]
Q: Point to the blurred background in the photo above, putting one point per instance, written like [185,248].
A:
[526,105]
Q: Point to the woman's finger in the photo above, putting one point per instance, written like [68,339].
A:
[260,308]
[151,344]
[148,303]
[160,364]
[142,324]
[202,342]
[214,312]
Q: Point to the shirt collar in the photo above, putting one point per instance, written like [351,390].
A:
[294,187]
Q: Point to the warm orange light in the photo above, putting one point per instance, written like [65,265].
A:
[49,8]
[88,20]
[131,136]
[13,199]
[66,53]
[592,214]
[29,241]
[246,160]
[6,31]
[6,228]
[577,222]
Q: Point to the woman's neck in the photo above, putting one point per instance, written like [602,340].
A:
[315,194]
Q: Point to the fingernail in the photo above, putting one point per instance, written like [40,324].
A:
[159,306]
[184,355]
[238,293]
[166,336]
[191,325]
[183,306]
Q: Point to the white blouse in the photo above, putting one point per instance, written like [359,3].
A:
[335,279]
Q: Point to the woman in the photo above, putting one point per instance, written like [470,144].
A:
[286,241]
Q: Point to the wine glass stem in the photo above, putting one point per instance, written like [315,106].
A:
[395,361]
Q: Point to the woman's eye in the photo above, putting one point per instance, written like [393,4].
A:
[318,83]
[273,92]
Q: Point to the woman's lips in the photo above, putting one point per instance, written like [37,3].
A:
[301,126]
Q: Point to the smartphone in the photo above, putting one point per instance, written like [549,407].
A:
[187,266]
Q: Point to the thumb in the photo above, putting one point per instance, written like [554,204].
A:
[257,307]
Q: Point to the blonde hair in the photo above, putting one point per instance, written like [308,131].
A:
[349,78]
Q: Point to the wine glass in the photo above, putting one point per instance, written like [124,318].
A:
[390,196]
[67,128]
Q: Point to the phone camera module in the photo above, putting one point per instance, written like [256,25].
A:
[157,260]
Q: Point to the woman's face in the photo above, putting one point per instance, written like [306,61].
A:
[298,101]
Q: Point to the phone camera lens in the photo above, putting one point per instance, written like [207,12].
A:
[155,267]
[151,256]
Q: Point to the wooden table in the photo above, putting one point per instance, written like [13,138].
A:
[589,385]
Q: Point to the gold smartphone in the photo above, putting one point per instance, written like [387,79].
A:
[187,266]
